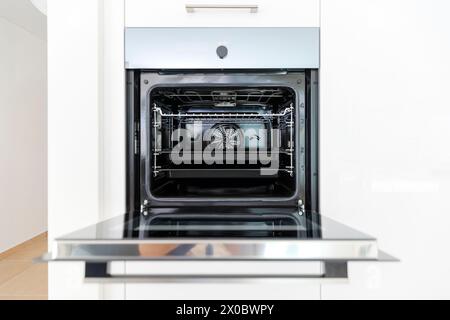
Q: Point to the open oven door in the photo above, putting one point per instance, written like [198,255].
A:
[212,235]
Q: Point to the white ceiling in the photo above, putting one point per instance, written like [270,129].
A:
[24,14]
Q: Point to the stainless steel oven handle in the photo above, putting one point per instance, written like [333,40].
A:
[191,8]
[332,271]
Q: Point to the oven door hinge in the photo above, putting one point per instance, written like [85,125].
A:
[301,207]
[136,138]
[144,208]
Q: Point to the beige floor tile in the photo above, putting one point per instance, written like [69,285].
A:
[28,253]
[31,282]
[23,298]
[10,269]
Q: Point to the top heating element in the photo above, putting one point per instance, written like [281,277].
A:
[222,48]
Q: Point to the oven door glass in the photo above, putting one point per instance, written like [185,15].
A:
[219,234]
[214,234]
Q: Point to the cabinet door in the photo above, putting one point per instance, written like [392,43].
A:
[173,13]
[230,289]
[85,48]
[384,139]
[74,55]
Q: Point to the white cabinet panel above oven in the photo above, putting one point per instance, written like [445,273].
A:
[260,13]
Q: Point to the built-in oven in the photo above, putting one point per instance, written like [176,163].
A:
[220,138]
[222,157]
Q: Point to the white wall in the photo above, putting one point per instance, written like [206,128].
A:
[24,14]
[23,135]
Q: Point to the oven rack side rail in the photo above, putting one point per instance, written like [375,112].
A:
[287,114]
[213,115]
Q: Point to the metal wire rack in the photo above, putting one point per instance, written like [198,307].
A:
[285,121]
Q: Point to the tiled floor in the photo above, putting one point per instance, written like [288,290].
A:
[20,279]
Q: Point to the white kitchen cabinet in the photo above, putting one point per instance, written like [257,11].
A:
[232,289]
[86,125]
[88,40]
[73,130]
[384,135]
[294,290]
[384,140]
[172,13]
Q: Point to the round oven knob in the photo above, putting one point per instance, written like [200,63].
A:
[222,52]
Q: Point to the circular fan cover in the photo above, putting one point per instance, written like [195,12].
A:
[226,136]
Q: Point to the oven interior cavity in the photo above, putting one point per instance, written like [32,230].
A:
[230,142]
